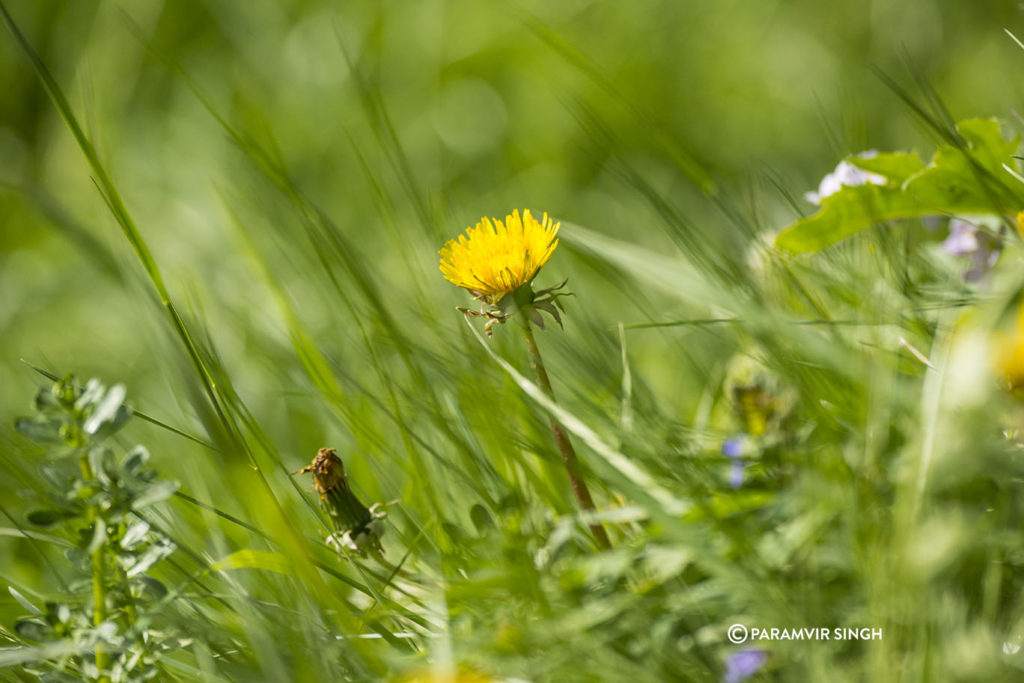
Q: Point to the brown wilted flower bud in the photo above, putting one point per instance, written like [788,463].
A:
[328,471]
[356,527]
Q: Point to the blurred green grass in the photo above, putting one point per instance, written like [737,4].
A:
[298,238]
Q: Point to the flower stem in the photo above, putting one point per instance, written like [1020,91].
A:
[99,584]
[579,487]
[99,594]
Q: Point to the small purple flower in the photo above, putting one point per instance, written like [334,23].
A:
[742,665]
[963,238]
[966,240]
[733,447]
[845,175]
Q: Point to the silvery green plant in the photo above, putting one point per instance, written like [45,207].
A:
[107,626]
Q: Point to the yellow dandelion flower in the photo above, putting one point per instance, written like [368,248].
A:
[495,258]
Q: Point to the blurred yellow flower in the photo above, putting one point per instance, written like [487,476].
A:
[1009,355]
[495,258]
[460,675]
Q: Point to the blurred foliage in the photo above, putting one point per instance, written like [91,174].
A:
[246,234]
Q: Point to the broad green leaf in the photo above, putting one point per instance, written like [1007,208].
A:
[254,559]
[970,180]
[986,141]
[965,179]
[846,213]
[896,166]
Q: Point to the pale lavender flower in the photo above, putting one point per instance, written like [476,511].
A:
[966,240]
[736,474]
[845,175]
[962,239]
[733,447]
[984,259]
[743,664]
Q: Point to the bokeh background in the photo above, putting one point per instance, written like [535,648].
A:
[690,129]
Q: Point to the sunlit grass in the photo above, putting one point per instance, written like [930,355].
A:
[290,300]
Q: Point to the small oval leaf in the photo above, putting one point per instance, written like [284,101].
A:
[48,516]
[40,429]
[33,628]
[154,493]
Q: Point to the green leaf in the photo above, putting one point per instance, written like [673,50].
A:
[102,462]
[77,557]
[99,536]
[254,559]
[60,474]
[40,429]
[134,534]
[846,213]
[481,518]
[151,556]
[147,588]
[49,516]
[138,457]
[986,141]
[154,493]
[46,400]
[91,395]
[109,413]
[971,179]
[33,628]
[897,167]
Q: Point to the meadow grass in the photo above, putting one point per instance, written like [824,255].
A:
[289,299]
